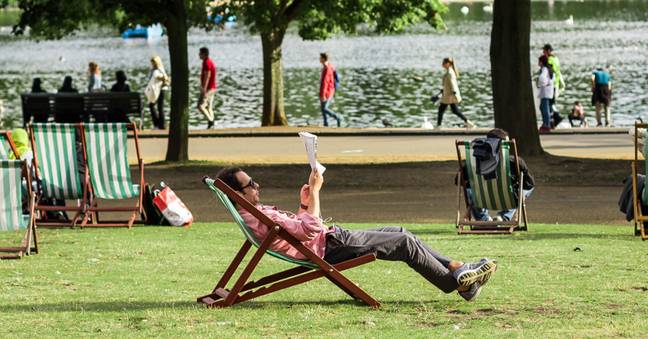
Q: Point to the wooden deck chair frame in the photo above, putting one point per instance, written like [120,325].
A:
[317,267]
[9,140]
[82,202]
[92,218]
[464,217]
[639,217]
[26,248]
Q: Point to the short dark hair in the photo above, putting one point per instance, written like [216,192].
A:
[324,56]
[576,102]
[497,133]
[204,51]
[120,76]
[547,47]
[228,175]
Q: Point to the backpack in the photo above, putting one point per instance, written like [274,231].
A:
[337,79]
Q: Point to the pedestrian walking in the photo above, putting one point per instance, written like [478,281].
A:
[327,90]
[155,91]
[94,77]
[601,95]
[545,92]
[207,86]
[450,93]
[559,81]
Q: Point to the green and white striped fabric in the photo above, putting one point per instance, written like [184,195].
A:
[11,218]
[249,235]
[4,147]
[493,194]
[107,152]
[55,148]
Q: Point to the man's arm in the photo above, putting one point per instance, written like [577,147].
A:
[315,182]
[204,81]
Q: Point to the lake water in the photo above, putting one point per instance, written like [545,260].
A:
[384,77]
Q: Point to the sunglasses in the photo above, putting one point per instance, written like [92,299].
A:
[250,184]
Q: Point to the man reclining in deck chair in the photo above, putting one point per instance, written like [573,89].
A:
[495,135]
[335,244]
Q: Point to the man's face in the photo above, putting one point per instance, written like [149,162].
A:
[546,52]
[250,189]
[322,61]
[202,56]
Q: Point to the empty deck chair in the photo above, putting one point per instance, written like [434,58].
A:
[639,151]
[305,271]
[106,150]
[494,194]
[12,219]
[61,174]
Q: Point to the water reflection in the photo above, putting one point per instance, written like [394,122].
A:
[384,78]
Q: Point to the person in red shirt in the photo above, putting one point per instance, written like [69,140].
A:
[207,86]
[335,244]
[327,89]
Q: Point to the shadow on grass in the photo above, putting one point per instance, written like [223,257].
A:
[121,306]
[575,236]
[108,306]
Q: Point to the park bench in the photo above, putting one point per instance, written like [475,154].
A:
[81,107]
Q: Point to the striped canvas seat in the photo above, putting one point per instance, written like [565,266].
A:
[11,218]
[11,209]
[107,154]
[494,194]
[58,168]
[249,235]
[4,147]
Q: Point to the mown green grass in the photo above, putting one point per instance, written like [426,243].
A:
[143,282]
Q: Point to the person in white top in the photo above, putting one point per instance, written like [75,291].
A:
[545,93]
[158,82]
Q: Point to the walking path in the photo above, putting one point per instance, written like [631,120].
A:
[282,145]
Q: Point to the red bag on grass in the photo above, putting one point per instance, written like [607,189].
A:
[174,211]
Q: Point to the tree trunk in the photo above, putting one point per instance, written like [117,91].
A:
[176,26]
[274,113]
[511,74]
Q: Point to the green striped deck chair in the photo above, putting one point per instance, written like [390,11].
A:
[106,149]
[640,219]
[6,145]
[58,169]
[12,219]
[305,271]
[494,194]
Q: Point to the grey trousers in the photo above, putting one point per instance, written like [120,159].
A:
[395,244]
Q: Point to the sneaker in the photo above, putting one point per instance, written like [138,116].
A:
[210,124]
[480,271]
[469,124]
[438,127]
[498,218]
[473,292]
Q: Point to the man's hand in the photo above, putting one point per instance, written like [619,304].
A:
[304,195]
[315,180]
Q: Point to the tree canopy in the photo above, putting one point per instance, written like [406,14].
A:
[318,20]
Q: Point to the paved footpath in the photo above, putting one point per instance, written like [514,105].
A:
[274,146]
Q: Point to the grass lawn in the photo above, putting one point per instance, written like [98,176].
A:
[143,282]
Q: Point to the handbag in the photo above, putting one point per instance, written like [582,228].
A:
[172,208]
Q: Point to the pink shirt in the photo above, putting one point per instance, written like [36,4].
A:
[303,226]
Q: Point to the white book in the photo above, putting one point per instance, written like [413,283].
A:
[310,141]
